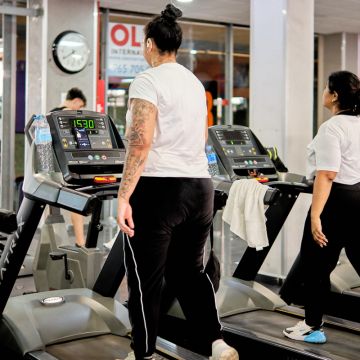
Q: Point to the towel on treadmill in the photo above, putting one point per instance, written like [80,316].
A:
[245,212]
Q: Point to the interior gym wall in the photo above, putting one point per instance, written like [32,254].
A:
[79,16]
[336,52]
[281,102]
[45,81]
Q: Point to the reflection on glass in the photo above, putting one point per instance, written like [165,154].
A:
[117,99]
[202,52]
[241,59]
[121,70]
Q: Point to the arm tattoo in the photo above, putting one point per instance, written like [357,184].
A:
[133,162]
[142,113]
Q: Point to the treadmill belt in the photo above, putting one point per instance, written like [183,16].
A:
[105,347]
[267,326]
[111,347]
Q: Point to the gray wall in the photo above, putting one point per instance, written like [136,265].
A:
[45,81]
[78,16]
[336,52]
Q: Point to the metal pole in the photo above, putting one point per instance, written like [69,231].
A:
[229,73]
[8,113]
[108,220]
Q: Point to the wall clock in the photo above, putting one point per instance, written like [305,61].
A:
[71,51]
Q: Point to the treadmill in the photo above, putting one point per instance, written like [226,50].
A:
[7,226]
[253,316]
[70,323]
[345,291]
[344,295]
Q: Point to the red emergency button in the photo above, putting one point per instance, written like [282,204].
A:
[104,179]
[262,179]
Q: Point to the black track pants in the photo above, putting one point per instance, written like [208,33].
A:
[339,220]
[172,219]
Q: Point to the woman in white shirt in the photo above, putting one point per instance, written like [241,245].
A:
[331,224]
[165,200]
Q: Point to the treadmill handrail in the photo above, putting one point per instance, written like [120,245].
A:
[302,187]
[269,197]
[8,222]
[50,189]
[94,189]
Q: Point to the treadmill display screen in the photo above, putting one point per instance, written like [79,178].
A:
[86,145]
[234,135]
[239,151]
[83,123]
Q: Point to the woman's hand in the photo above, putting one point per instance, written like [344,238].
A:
[124,217]
[316,230]
[321,190]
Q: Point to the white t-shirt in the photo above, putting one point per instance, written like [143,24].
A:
[336,147]
[178,148]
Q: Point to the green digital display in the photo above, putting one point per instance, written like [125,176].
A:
[83,123]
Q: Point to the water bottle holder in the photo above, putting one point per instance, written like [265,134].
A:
[44,158]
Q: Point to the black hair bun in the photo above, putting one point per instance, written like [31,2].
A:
[171,13]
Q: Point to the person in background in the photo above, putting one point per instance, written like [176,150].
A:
[165,198]
[331,223]
[75,100]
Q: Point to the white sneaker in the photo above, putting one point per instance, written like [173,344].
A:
[131,356]
[222,351]
[303,332]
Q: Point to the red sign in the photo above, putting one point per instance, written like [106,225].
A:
[100,96]
[121,34]
[125,57]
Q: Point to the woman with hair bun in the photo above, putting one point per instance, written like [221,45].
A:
[165,199]
[331,223]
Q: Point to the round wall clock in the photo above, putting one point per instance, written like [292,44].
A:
[71,51]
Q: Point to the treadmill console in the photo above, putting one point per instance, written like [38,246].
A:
[241,153]
[86,144]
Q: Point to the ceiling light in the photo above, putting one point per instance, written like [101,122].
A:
[184,1]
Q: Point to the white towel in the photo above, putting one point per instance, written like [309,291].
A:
[245,212]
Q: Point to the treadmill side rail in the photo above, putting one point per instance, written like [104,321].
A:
[30,325]
[41,355]
[17,246]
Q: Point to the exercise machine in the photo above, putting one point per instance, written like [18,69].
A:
[252,315]
[59,263]
[7,226]
[69,323]
[344,297]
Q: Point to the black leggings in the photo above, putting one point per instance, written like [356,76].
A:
[339,224]
[172,218]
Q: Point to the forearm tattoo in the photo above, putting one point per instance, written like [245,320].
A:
[142,112]
[132,164]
